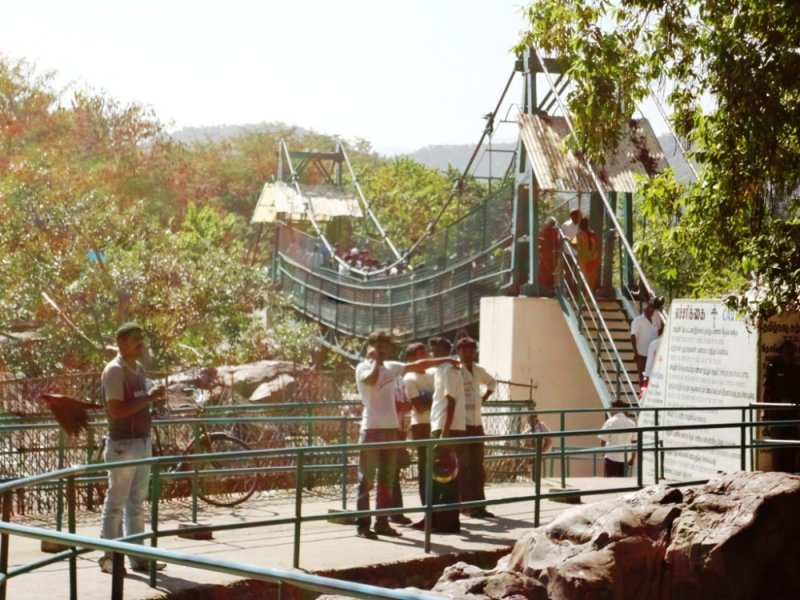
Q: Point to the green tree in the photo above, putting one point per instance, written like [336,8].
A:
[108,217]
[407,195]
[739,57]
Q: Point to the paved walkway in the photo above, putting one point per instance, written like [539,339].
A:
[325,545]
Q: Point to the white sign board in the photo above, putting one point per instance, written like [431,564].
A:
[708,358]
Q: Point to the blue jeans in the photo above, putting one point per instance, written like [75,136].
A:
[370,462]
[127,490]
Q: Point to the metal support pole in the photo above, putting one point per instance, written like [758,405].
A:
[4,544]
[428,497]
[298,508]
[155,494]
[563,457]
[639,462]
[537,481]
[73,557]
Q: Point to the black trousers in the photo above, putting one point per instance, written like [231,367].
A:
[447,493]
[421,431]
[472,476]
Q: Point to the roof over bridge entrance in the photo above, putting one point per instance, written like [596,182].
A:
[639,155]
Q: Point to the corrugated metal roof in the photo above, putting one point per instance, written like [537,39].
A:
[326,201]
[556,169]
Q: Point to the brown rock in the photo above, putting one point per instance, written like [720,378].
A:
[737,537]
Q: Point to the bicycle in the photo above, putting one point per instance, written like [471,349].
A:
[218,490]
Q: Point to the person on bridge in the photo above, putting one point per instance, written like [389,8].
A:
[569,228]
[644,329]
[419,391]
[549,249]
[589,254]
[478,386]
[128,401]
[376,380]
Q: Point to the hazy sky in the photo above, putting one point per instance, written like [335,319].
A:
[401,74]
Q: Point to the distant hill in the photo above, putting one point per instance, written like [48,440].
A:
[457,155]
[442,156]
[439,156]
[215,133]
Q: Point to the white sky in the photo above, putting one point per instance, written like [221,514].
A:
[401,74]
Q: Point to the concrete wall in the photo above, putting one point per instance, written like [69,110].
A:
[527,339]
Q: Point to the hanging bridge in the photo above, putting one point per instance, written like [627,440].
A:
[493,250]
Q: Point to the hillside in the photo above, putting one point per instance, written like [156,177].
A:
[438,156]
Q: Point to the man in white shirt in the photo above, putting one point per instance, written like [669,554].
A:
[419,391]
[644,329]
[614,463]
[652,351]
[569,228]
[478,386]
[448,419]
[376,380]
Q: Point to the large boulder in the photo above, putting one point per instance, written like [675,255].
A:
[737,537]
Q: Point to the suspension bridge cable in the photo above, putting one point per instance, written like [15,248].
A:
[367,206]
[308,207]
[663,114]
[595,179]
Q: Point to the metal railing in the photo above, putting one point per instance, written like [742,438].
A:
[584,314]
[649,439]
[456,267]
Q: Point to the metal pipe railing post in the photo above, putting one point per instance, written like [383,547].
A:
[428,517]
[59,486]
[4,544]
[537,481]
[743,440]
[117,576]
[73,558]
[298,508]
[639,461]
[563,419]
[656,451]
[155,494]
[195,475]
[343,441]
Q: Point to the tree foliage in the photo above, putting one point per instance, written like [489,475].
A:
[113,220]
[741,59]
[407,195]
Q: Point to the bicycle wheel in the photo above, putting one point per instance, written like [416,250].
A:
[222,489]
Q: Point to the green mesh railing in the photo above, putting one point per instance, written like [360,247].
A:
[457,266]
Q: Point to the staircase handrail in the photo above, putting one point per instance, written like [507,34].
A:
[567,258]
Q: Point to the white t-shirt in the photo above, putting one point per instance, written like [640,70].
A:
[447,381]
[618,421]
[652,350]
[416,385]
[380,411]
[569,229]
[645,331]
[475,385]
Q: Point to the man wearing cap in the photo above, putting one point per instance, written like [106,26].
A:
[127,402]
[644,329]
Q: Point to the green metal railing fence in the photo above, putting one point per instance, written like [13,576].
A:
[585,316]
[306,459]
[457,266]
